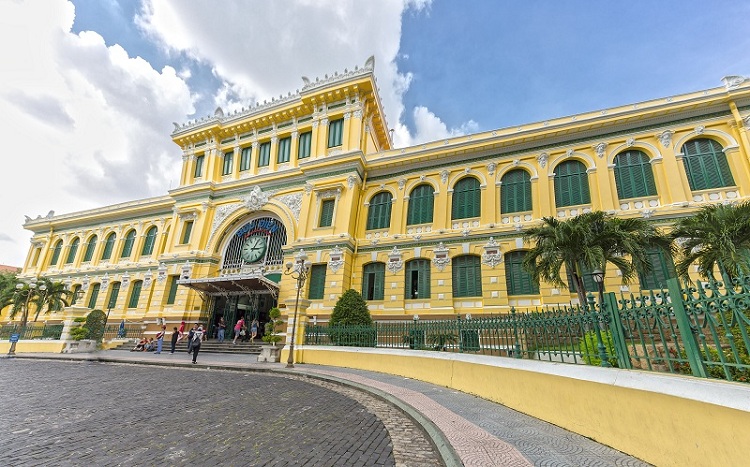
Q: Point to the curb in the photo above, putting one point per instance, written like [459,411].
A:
[440,442]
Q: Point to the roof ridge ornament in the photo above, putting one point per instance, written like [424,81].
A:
[733,81]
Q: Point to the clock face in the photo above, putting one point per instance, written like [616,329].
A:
[254,249]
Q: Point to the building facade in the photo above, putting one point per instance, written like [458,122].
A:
[433,230]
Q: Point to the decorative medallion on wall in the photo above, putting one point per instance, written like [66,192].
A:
[542,159]
[186,270]
[600,148]
[105,282]
[444,176]
[293,202]
[491,168]
[148,278]
[161,273]
[665,138]
[336,260]
[395,260]
[492,255]
[441,259]
[85,283]
[256,199]
[125,281]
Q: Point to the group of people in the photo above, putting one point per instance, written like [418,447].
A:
[196,336]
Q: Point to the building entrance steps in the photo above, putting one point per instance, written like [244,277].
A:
[466,429]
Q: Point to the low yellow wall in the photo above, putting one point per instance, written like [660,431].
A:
[34,346]
[667,420]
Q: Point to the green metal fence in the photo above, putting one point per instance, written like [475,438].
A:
[32,331]
[704,333]
[123,331]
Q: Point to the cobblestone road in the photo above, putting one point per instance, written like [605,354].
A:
[85,413]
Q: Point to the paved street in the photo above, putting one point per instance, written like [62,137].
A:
[92,413]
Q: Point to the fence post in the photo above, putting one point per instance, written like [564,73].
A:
[683,324]
[617,332]
[517,343]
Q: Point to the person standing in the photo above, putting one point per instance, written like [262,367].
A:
[190,336]
[238,328]
[254,330]
[175,336]
[160,338]
[197,339]
[181,332]
[222,327]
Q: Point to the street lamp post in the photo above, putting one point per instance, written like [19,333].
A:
[25,314]
[598,276]
[298,271]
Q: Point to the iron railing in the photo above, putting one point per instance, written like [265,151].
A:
[123,331]
[705,333]
[41,331]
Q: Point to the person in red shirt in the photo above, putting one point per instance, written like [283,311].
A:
[238,328]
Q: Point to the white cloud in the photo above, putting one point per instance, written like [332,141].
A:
[264,50]
[84,124]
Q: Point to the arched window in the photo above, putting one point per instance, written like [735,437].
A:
[109,245]
[571,184]
[94,295]
[56,253]
[467,198]
[417,279]
[633,175]
[706,164]
[515,192]
[379,212]
[135,294]
[113,295]
[90,247]
[127,248]
[373,281]
[517,280]
[148,245]
[421,201]
[467,276]
[73,250]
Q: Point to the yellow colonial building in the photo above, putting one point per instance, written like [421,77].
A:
[433,230]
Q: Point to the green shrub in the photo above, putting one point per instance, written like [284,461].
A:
[589,347]
[351,308]
[79,333]
[270,334]
[95,322]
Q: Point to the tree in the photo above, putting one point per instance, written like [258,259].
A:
[351,308]
[716,237]
[589,241]
[55,297]
[7,289]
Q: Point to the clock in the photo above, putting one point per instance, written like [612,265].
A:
[254,248]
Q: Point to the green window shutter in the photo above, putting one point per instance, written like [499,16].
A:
[186,231]
[172,289]
[127,249]
[109,246]
[75,294]
[198,166]
[112,302]
[264,154]
[417,277]
[515,192]
[90,247]
[305,141]
[228,163]
[517,280]
[571,184]
[588,281]
[379,211]
[467,276]
[317,282]
[706,164]
[662,268]
[56,253]
[94,295]
[634,176]
[373,281]
[335,133]
[148,244]
[421,205]
[285,147]
[245,156]
[467,199]
[135,294]
[326,212]
[73,250]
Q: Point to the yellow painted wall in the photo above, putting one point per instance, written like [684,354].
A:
[661,427]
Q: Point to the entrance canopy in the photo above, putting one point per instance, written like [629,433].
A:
[232,285]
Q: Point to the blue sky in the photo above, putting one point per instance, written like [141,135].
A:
[89,88]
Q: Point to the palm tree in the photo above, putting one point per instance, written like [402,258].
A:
[716,237]
[587,242]
[55,297]
[7,289]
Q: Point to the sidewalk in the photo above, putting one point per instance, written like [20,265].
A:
[466,429]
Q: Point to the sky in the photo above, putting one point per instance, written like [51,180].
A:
[89,88]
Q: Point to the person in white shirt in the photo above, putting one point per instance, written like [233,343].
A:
[197,339]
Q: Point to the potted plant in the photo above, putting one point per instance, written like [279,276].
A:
[271,352]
